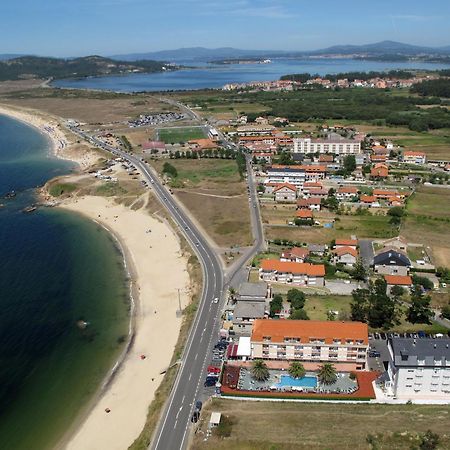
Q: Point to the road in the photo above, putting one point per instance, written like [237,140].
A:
[175,425]
[366,251]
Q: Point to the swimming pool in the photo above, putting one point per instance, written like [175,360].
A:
[287,380]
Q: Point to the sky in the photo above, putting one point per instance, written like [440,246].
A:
[109,27]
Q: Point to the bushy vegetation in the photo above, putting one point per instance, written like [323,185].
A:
[436,88]
[350,76]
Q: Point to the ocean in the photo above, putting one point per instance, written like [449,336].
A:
[57,268]
[216,75]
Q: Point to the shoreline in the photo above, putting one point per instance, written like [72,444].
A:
[129,378]
[130,386]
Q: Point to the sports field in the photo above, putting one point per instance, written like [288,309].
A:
[180,134]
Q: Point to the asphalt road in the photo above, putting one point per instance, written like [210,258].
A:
[366,251]
[173,430]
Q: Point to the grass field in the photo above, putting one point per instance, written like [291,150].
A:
[180,134]
[428,222]
[211,189]
[289,426]
[317,307]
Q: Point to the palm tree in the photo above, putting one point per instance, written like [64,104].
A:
[296,370]
[259,370]
[327,374]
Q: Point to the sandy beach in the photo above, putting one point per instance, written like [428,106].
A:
[158,270]
[63,143]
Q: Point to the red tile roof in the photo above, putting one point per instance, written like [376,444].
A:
[368,199]
[347,190]
[285,185]
[304,214]
[346,250]
[278,330]
[270,265]
[409,153]
[399,280]
[347,242]
[300,252]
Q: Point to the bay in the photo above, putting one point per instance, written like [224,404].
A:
[214,76]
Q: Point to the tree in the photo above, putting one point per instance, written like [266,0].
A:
[425,282]
[327,374]
[296,369]
[397,291]
[276,305]
[429,441]
[170,170]
[350,163]
[359,305]
[296,298]
[359,271]
[259,370]
[445,312]
[299,314]
[419,311]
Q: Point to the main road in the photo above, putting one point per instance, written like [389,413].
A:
[174,426]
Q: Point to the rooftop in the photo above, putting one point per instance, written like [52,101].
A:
[399,280]
[305,330]
[249,309]
[293,267]
[247,289]
[408,351]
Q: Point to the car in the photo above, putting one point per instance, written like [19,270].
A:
[197,244]
[209,383]
[195,416]
[374,354]
[216,300]
[198,405]
[213,369]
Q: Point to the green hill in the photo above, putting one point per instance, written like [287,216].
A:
[26,67]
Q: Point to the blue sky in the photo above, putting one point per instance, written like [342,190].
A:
[81,27]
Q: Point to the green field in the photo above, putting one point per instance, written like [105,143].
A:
[317,307]
[180,134]
[321,426]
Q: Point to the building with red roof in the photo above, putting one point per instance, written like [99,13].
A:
[285,193]
[273,270]
[414,157]
[379,171]
[315,341]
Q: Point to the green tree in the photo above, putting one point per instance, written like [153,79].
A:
[429,441]
[276,305]
[359,271]
[299,314]
[397,291]
[296,369]
[170,170]
[419,311]
[350,163]
[445,312]
[296,298]
[259,370]
[327,373]
[359,305]
[425,282]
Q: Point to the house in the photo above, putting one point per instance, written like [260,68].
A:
[253,292]
[394,201]
[419,369]
[346,193]
[263,157]
[308,185]
[272,270]
[391,262]
[312,203]
[370,200]
[383,194]
[304,214]
[317,192]
[312,342]
[326,158]
[414,157]
[294,174]
[296,254]
[317,249]
[379,171]
[262,120]
[380,150]
[378,158]
[285,193]
[245,313]
[202,144]
[345,255]
[404,281]
[352,243]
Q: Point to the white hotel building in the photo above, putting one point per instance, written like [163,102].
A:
[419,369]
[336,146]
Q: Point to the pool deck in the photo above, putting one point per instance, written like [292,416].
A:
[230,387]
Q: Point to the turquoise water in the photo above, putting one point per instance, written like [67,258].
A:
[306,382]
[217,75]
[56,268]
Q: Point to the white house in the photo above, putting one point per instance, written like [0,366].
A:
[336,146]
[414,157]
[285,193]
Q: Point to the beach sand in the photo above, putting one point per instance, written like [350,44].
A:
[63,142]
[158,269]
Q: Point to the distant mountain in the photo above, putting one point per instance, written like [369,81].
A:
[384,47]
[42,67]
[197,54]
[6,56]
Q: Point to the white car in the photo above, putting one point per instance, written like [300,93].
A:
[216,300]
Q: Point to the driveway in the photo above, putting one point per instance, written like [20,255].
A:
[340,287]
[366,251]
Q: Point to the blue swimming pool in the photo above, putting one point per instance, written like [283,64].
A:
[287,380]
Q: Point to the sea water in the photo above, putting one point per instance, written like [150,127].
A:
[57,270]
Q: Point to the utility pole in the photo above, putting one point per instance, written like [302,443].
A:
[179,311]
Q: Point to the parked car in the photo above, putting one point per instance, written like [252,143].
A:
[374,354]
[209,383]
[195,416]
[198,405]
[213,369]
